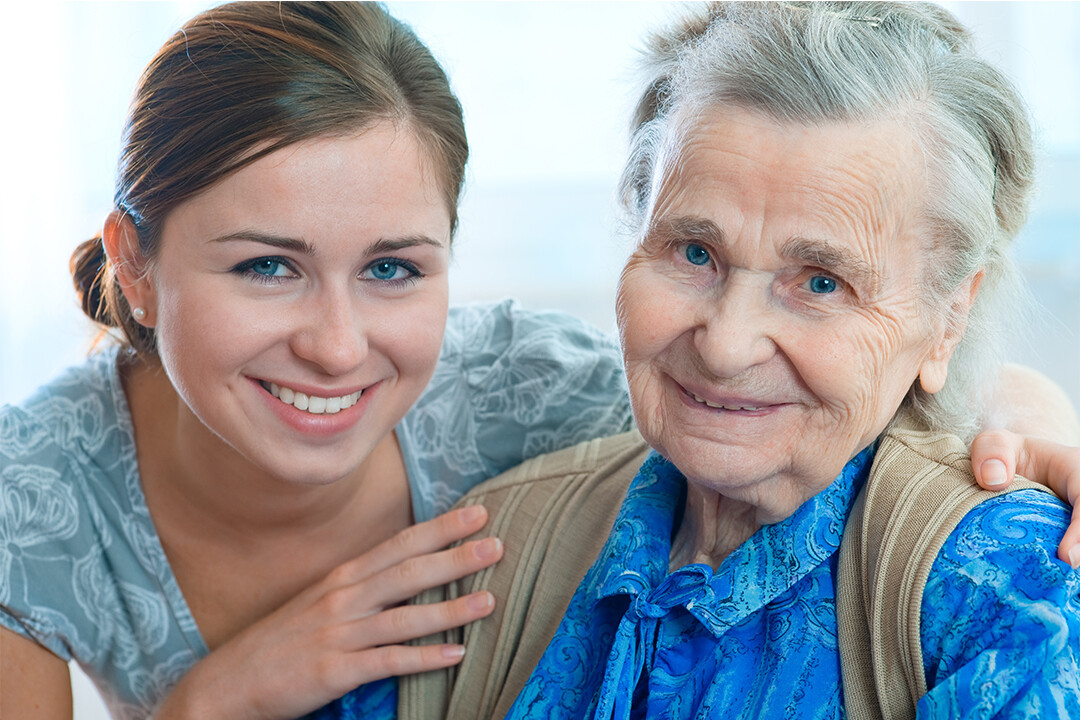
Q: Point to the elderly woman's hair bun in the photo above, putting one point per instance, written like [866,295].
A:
[813,63]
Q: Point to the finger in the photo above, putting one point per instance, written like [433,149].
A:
[420,539]
[354,669]
[994,457]
[1059,467]
[399,583]
[408,622]
[1069,549]
[417,574]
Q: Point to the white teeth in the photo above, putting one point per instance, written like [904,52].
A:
[723,407]
[313,403]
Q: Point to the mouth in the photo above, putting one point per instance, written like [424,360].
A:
[311,404]
[719,406]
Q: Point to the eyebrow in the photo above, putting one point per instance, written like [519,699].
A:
[691,228]
[841,261]
[297,245]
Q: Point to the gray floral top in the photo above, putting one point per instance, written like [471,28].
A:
[82,570]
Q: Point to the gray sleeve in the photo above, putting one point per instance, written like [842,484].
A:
[510,384]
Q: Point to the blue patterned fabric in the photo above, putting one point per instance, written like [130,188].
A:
[998,579]
[757,638]
[376,700]
[83,572]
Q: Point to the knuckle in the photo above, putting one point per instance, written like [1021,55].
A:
[406,539]
[410,571]
[393,658]
[343,574]
[336,603]
[400,622]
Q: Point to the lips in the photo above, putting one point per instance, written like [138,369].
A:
[313,404]
[720,406]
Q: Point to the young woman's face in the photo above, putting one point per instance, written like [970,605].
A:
[300,303]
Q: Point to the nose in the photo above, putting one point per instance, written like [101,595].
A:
[332,333]
[733,333]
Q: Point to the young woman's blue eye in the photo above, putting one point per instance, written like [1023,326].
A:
[822,284]
[391,270]
[696,254]
[265,269]
[270,267]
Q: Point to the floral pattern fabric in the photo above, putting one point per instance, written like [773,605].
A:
[83,572]
[757,638]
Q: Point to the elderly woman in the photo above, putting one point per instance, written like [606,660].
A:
[824,195]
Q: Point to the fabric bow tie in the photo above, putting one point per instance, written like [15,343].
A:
[637,633]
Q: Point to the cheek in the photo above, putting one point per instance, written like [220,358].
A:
[651,314]
[409,332]
[861,370]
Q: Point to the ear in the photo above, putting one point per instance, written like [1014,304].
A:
[130,265]
[935,368]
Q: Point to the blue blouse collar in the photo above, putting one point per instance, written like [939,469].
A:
[634,560]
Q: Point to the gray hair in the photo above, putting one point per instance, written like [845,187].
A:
[820,62]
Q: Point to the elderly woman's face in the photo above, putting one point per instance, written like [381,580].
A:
[771,319]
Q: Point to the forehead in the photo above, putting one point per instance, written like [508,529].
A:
[379,178]
[837,181]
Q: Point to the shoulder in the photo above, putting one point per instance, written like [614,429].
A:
[510,384]
[73,413]
[503,347]
[1002,557]
[58,458]
[1000,608]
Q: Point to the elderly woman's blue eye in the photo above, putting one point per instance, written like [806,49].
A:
[696,254]
[822,284]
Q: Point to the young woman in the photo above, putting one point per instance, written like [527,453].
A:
[216,518]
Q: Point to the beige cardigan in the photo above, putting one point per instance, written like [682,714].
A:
[555,512]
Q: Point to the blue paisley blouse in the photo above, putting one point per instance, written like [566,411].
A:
[82,570]
[757,638]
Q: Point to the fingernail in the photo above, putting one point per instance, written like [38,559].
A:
[479,602]
[993,473]
[1074,555]
[472,513]
[453,652]
[488,548]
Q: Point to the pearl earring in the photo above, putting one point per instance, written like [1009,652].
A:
[139,314]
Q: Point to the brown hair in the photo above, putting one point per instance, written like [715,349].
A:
[242,80]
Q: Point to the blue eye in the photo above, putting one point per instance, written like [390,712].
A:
[270,267]
[265,269]
[696,254]
[391,270]
[822,284]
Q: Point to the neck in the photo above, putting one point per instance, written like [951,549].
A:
[714,524]
[195,482]
[712,527]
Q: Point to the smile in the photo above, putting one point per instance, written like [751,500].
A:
[703,401]
[313,403]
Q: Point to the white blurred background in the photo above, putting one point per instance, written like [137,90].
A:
[546,90]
